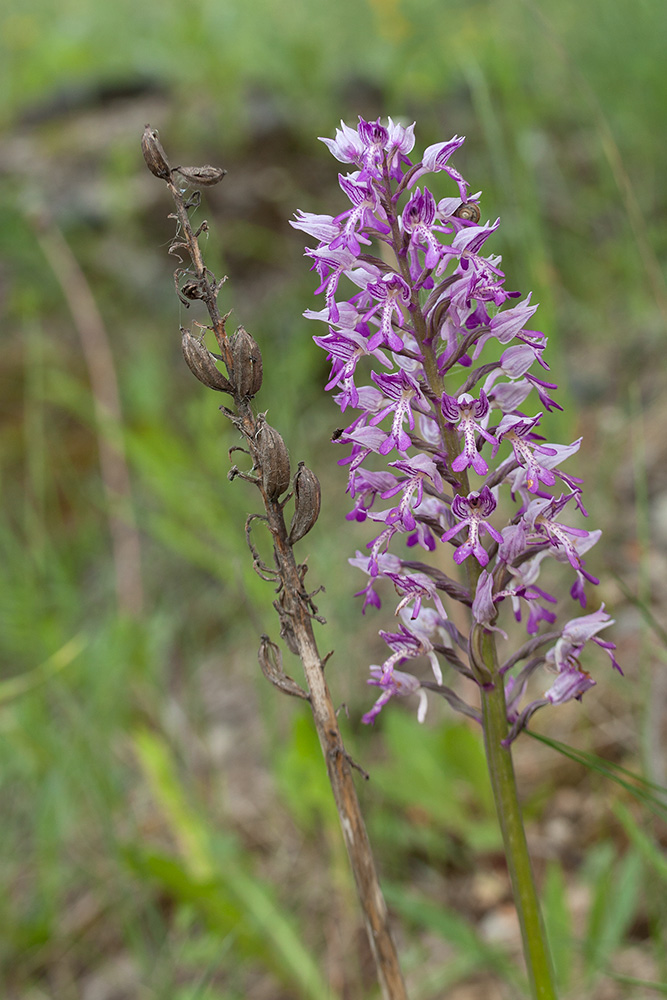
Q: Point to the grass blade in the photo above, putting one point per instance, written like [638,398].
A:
[230,898]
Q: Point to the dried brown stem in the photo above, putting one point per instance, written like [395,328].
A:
[295,606]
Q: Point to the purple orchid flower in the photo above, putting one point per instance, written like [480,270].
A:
[413,301]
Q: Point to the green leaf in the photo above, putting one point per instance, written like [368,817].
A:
[652,854]
[14,687]
[650,794]
[615,896]
[212,877]
[439,774]
[473,952]
[558,923]
[644,983]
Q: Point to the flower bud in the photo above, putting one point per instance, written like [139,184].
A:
[247,362]
[203,176]
[307,496]
[274,461]
[200,362]
[154,154]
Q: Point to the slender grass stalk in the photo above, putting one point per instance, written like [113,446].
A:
[115,473]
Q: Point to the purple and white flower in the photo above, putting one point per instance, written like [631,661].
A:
[413,302]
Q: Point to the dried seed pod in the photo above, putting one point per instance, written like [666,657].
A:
[154,154]
[200,362]
[205,176]
[274,461]
[468,210]
[247,362]
[307,497]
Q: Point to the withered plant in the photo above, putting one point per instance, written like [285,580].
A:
[268,469]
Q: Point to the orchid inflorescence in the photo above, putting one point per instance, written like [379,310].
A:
[424,308]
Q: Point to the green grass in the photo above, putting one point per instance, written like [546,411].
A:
[163,810]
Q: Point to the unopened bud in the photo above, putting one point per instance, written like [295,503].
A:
[154,154]
[247,362]
[307,496]
[201,363]
[205,176]
[274,461]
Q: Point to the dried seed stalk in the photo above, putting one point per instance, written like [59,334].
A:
[271,461]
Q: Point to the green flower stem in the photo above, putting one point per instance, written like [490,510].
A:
[503,781]
[499,758]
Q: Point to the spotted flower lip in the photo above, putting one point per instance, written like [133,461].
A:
[469,413]
[473,511]
[416,306]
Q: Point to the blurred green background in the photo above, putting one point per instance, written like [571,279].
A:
[166,828]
